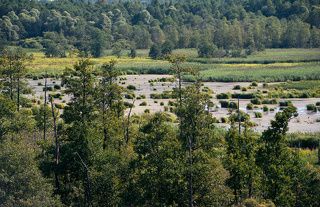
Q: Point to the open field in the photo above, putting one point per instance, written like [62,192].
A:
[269,56]
[290,64]
[276,72]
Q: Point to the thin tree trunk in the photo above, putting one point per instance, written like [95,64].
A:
[190,174]
[87,192]
[44,108]
[128,124]
[18,94]
[239,117]
[105,136]
[57,150]
[11,86]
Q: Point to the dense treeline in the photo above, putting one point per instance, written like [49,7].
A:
[95,153]
[217,28]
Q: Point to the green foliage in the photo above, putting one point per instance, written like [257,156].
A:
[7,112]
[311,107]
[197,133]
[273,160]
[155,51]
[241,162]
[21,182]
[158,167]
[207,50]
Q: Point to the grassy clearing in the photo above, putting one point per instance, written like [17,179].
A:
[259,72]
[269,56]
[225,72]
[40,64]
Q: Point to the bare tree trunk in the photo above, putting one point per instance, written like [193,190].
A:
[87,193]
[105,135]
[190,173]
[239,117]
[18,94]
[11,87]
[44,108]
[57,150]
[128,124]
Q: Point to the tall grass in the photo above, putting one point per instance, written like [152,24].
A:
[225,72]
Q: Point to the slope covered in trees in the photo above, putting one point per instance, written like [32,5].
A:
[62,25]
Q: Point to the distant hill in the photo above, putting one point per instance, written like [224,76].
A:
[216,28]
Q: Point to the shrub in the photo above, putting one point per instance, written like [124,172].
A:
[147,111]
[254,84]
[265,108]
[312,107]
[249,106]
[233,105]
[258,114]
[164,95]
[57,87]
[223,96]
[224,104]
[227,104]
[256,101]
[49,88]
[318,103]
[242,115]
[131,87]
[244,89]
[237,87]
[243,95]
[143,104]
[269,101]
[161,104]
[285,103]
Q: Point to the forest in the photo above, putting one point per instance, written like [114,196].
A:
[216,28]
[160,103]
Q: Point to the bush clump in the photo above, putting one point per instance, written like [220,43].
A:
[258,114]
[256,101]
[237,87]
[250,106]
[265,108]
[229,105]
[311,107]
[243,95]
[269,101]
[131,87]
[57,87]
[254,84]
[285,103]
[143,104]
[223,96]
